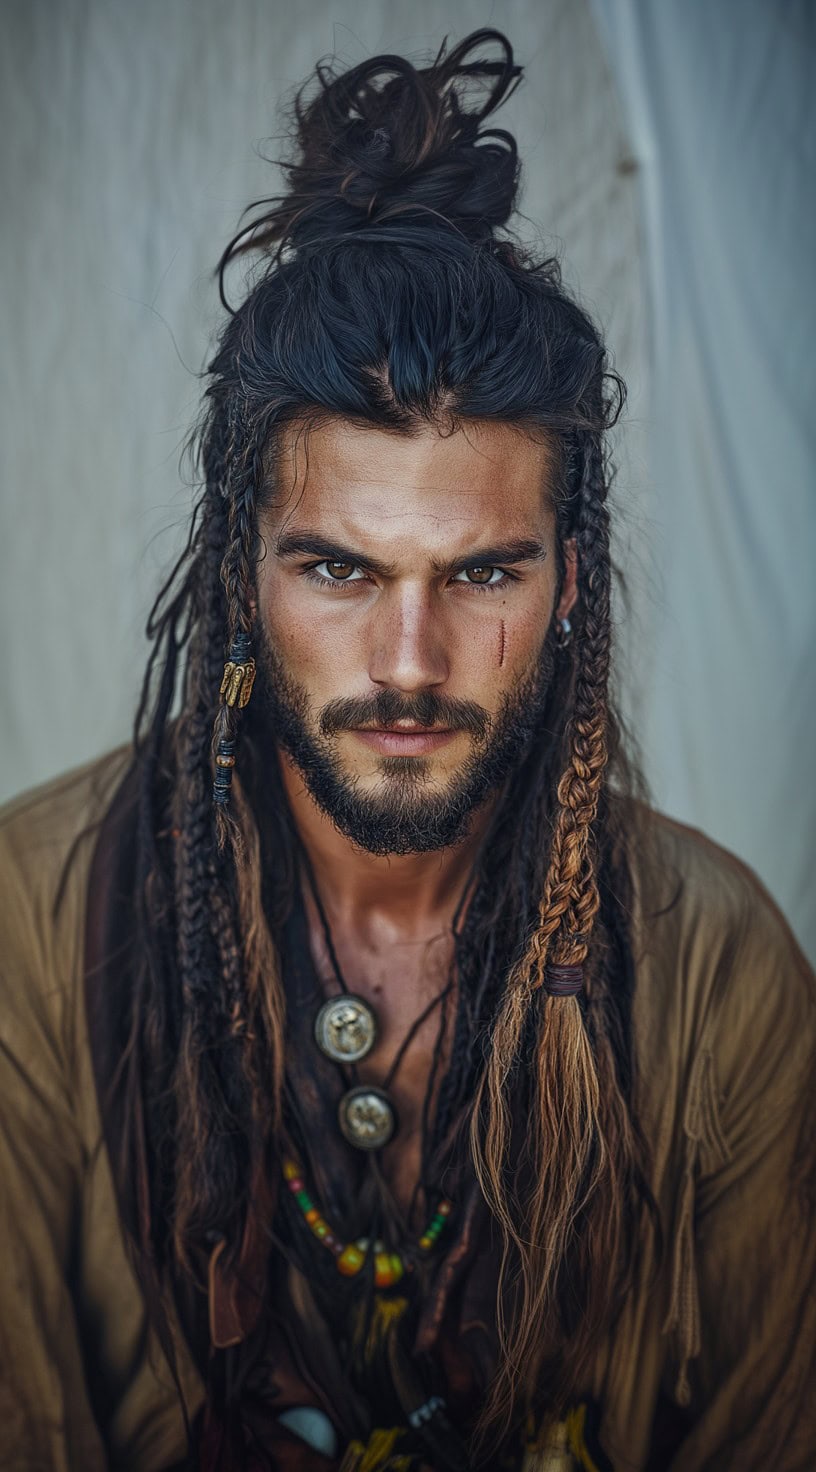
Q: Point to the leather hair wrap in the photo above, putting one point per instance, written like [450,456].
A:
[563,981]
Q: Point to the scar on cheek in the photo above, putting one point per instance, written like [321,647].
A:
[501,642]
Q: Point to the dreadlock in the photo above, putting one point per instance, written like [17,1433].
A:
[392,295]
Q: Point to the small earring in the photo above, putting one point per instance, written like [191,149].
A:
[563,632]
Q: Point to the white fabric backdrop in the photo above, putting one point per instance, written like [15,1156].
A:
[720,108]
[127,154]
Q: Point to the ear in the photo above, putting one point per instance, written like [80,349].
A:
[569,587]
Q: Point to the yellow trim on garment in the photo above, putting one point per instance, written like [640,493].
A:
[377,1454]
[563,1447]
[576,1422]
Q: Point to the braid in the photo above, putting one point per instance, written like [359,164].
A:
[237,578]
[570,900]
[226,961]
[204,948]
[571,1081]
[193,810]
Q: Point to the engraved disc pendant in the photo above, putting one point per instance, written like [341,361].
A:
[367,1117]
[345,1028]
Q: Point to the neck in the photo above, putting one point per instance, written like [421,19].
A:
[410,891]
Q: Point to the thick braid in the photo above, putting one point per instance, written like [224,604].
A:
[570,896]
[568,1084]
[590,736]
[570,900]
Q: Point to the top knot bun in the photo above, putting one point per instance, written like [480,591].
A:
[386,139]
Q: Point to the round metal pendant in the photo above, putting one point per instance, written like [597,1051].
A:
[367,1117]
[345,1028]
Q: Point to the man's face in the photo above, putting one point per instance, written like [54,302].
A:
[405,601]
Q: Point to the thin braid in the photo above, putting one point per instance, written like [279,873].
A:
[251,972]
[222,919]
[237,577]
[237,567]
[210,981]
[193,813]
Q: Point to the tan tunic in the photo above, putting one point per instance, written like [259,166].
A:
[725,1047]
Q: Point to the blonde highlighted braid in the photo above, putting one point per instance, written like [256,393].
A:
[578,1119]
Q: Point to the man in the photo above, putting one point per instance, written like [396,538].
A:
[382,1085]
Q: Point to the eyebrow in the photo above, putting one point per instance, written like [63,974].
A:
[293,544]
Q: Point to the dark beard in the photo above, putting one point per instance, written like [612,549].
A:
[401,818]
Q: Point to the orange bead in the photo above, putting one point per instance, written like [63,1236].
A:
[313,1215]
[383,1277]
[388,1269]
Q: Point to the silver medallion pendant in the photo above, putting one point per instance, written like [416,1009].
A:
[367,1117]
[345,1028]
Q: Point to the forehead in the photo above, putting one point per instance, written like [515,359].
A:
[486,481]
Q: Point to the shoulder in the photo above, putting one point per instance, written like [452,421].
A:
[719,976]
[47,838]
[41,823]
[698,902]
[42,830]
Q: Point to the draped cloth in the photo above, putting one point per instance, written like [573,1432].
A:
[711,1362]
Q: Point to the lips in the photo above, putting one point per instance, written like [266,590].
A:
[413,740]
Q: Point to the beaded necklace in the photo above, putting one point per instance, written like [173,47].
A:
[350,1257]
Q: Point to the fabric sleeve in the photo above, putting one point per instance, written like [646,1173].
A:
[46,1420]
[83,1385]
[752,1380]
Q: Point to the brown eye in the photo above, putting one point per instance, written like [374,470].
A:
[340,571]
[480,574]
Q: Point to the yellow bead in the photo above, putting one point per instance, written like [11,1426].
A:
[350,1261]
[290,1170]
[425,1243]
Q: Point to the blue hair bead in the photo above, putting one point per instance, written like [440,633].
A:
[240,648]
[224,764]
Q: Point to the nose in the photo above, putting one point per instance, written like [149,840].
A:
[408,641]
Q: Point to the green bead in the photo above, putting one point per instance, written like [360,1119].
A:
[303,1201]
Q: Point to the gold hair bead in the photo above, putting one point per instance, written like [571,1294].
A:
[236,686]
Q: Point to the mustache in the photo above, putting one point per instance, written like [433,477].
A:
[427,708]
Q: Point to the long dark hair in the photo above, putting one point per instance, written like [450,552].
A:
[391,293]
